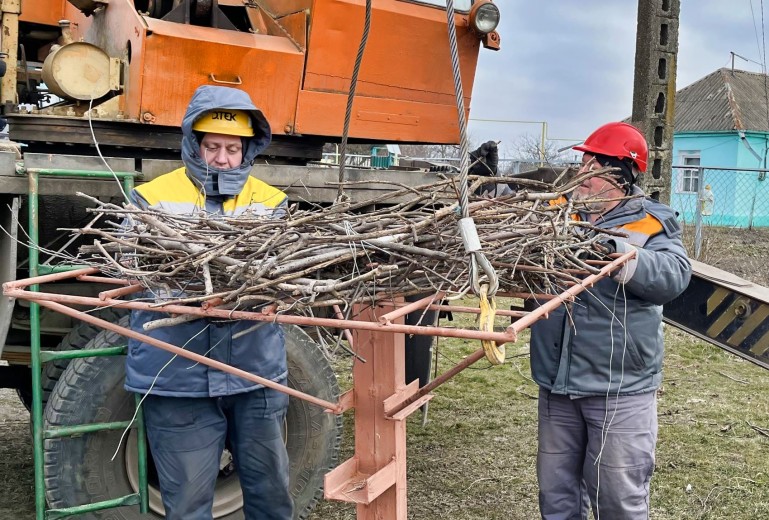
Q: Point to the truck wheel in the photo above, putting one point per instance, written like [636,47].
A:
[76,339]
[80,470]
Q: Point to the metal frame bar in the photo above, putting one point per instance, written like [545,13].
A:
[59,302]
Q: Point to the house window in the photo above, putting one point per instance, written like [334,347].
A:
[689,182]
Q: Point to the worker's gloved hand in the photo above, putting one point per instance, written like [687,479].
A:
[487,157]
[598,250]
[606,246]
[618,245]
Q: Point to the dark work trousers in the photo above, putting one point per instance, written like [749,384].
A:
[187,436]
[596,451]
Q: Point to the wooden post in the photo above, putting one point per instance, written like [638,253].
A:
[375,477]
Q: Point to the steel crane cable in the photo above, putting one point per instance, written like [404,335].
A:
[350,98]
[466,224]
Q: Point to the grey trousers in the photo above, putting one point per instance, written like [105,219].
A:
[596,452]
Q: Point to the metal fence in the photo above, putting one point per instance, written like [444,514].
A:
[706,197]
[506,166]
[356,161]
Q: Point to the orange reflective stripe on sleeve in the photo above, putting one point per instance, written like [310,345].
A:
[648,225]
[640,231]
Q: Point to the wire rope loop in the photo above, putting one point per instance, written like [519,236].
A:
[488,306]
[478,259]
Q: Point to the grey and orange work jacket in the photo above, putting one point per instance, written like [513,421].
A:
[610,339]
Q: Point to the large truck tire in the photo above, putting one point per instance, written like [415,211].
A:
[80,470]
[76,339]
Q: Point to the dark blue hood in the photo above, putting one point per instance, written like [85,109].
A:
[215,181]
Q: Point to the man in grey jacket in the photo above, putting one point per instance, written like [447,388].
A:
[599,362]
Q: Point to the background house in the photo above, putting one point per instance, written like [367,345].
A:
[720,141]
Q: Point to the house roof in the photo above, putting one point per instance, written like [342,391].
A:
[724,100]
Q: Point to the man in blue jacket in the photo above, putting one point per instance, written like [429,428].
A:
[599,362]
[191,410]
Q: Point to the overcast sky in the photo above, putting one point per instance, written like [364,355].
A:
[570,62]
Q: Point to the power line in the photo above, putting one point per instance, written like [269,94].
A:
[755,31]
[766,87]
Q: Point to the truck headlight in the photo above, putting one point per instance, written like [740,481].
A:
[484,17]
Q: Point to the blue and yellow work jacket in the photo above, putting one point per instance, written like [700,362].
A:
[255,347]
[610,339]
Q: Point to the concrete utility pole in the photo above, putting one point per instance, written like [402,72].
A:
[654,89]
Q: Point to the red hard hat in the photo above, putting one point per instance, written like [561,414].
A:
[618,140]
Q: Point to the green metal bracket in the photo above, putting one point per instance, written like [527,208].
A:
[80,429]
[128,178]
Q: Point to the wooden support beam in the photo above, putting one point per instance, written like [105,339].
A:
[375,477]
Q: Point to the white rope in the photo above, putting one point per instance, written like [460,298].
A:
[605,428]
[98,150]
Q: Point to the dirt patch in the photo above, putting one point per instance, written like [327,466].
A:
[743,252]
[17,497]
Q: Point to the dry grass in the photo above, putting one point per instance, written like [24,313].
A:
[17,496]
[474,459]
[740,251]
[713,420]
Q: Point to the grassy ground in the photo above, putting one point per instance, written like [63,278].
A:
[17,487]
[714,435]
[475,458]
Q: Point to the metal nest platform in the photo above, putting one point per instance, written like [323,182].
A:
[375,477]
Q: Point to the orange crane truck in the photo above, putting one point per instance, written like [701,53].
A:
[89,82]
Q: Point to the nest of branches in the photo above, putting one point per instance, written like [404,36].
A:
[347,252]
